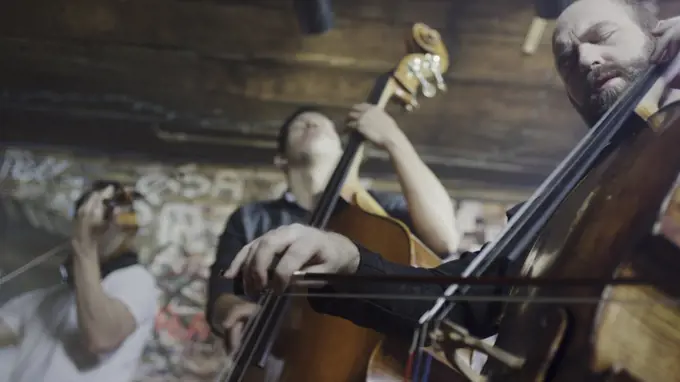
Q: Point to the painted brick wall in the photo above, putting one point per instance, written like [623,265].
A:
[188,206]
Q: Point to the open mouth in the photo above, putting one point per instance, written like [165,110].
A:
[604,78]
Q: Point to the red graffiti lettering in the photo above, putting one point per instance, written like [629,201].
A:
[169,322]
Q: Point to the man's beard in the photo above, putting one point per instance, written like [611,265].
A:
[601,100]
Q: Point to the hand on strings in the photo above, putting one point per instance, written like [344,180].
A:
[374,124]
[89,223]
[234,323]
[297,248]
[667,48]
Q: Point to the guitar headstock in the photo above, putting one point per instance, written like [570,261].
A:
[422,68]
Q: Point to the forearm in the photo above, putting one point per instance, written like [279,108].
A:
[104,322]
[428,201]
[399,317]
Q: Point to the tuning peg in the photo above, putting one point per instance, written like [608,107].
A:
[416,67]
[435,67]
[409,100]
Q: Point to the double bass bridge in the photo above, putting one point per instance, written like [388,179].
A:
[453,345]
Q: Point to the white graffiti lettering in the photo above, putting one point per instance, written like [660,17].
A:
[228,186]
[23,166]
[189,184]
[179,223]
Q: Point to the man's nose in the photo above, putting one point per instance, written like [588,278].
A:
[589,57]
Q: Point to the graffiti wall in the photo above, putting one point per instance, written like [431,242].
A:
[184,213]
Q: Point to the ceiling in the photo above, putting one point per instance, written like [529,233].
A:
[214,79]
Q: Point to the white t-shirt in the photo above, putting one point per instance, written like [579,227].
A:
[50,347]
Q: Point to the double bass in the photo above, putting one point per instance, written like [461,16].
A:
[317,347]
[608,217]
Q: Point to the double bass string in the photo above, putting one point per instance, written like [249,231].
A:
[489,298]
[518,234]
[312,279]
[533,215]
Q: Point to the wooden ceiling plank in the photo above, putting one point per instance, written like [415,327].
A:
[481,122]
[249,31]
[132,70]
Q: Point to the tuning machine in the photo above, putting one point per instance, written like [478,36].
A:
[418,68]
[434,63]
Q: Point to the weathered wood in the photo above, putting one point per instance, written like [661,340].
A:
[113,135]
[491,120]
[483,39]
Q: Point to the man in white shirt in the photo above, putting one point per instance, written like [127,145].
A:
[95,326]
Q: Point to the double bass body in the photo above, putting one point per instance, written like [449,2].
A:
[321,348]
[620,221]
[347,347]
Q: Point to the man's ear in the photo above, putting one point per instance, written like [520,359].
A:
[280,162]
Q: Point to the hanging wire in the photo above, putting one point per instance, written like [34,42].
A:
[33,263]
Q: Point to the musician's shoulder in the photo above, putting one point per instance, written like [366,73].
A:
[392,202]
[513,210]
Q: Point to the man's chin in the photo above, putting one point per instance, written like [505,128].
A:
[606,97]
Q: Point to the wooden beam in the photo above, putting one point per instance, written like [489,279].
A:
[113,136]
[132,70]
[470,116]
[484,38]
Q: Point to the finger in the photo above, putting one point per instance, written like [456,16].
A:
[239,260]
[96,212]
[361,108]
[275,243]
[354,115]
[353,125]
[84,209]
[236,314]
[249,284]
[235,335]
[661,27]
[108,192]
[661,46]
[297,255]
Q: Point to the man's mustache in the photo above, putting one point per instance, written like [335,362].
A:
[598,75]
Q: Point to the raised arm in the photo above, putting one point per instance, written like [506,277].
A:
[429,204]
[108,310]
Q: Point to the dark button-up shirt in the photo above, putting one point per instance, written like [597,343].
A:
[253,220]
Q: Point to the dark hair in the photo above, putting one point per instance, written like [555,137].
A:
[284,130]
[97,185]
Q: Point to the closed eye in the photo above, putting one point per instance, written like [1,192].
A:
[565,59]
